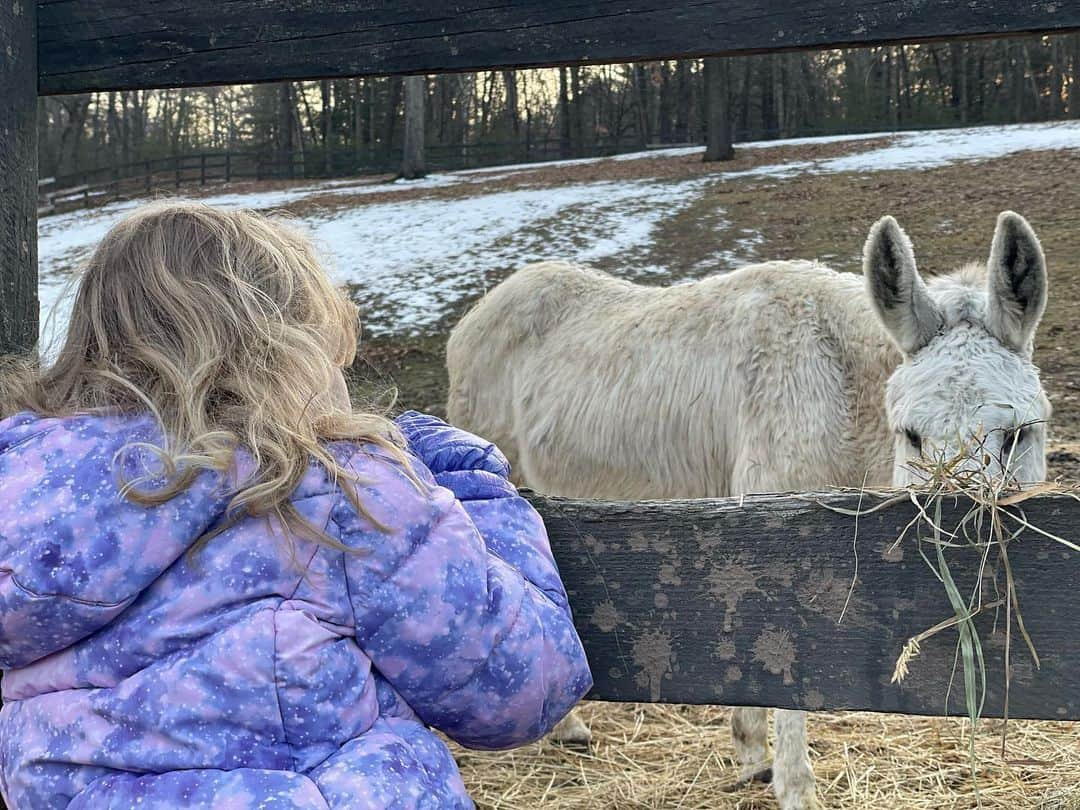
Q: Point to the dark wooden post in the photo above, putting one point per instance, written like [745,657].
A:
[18,176]
[228,167]
[149,174]
[202,169]
[176,162]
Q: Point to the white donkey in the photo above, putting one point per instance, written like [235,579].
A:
[777,377]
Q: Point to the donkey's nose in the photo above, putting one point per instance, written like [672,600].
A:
[981,458]
[968,459]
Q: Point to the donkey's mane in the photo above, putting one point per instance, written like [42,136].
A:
[961,294]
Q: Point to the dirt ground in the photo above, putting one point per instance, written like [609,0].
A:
[680,756]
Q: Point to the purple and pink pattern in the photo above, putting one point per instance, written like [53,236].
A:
[247,675]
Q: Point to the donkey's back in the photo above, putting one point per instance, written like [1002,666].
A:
[767,378]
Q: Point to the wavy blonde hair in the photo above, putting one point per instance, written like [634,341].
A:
[224,325]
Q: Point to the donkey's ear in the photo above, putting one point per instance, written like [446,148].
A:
[896,289]
[1016,283]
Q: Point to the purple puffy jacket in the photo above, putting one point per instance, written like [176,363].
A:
[137,675]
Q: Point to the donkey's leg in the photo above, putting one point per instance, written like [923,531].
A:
[750,733]
[793,778]
[571,730]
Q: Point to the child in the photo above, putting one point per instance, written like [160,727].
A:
[220,587]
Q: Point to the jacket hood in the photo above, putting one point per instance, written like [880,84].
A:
[74,551]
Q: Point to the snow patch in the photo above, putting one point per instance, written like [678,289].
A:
[409,263]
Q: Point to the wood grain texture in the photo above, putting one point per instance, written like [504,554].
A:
[18,177]
[721,603]
[165,43]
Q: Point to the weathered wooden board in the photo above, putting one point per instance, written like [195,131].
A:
[165,43]
[18,176]
[733,603]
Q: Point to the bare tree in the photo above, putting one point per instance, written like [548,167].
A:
[718,128]
[326,117]
[577,112]
[641,102]
[390,119]
[510,80]
[565,143]
[412,164]
[286,126]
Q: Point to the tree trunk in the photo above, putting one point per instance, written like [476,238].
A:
[682,101]
[390,121]
[744,101]
[510,80]
[326,120]
[779,73]
[113,129]
[125,128]
[959,99]
[1018,83]
[369,101]
[641,97]
[285,128]
[309,116]
[486,98]
[1074,79]
[412,164]
[298,139]
[1057,79]
[565,148]
[357,125]
[666,122]
[577,112]
[76,108]
[769,122]
[719,145]
[466,86]
[904,90]
[182,111]
[1034,85]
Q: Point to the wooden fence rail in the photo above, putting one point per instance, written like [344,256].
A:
[171,43]
[742,602]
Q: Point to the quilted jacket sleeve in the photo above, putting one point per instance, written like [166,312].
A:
[478,474]
[459,605]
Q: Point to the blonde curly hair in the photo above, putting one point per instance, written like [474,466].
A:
[225,326]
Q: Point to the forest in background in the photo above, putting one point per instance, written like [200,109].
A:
[348,126]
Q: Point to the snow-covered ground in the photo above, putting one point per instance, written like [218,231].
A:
[409,262]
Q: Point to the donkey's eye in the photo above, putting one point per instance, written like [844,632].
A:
[1014,437]
[914,439]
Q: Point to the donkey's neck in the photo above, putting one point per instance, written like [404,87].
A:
[872,358]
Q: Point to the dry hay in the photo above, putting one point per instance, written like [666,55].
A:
[665,756]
